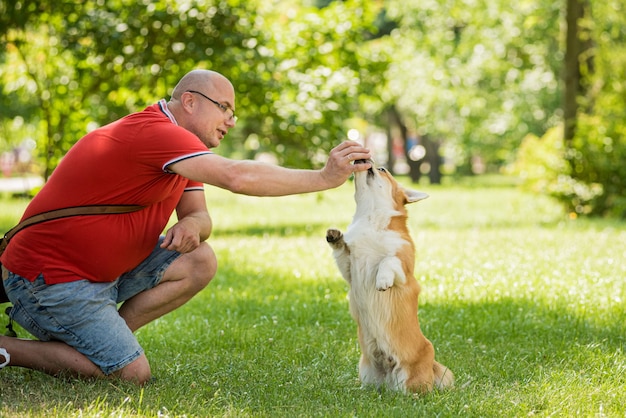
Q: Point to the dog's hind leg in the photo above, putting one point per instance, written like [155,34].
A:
[341,252]
[370,373]
[444,378]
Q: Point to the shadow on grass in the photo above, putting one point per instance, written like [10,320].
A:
[511,340]
[274,230]
[287,346]
[500,343]
[302,229]
[302,336]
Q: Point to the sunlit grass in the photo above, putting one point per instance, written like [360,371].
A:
[526,306]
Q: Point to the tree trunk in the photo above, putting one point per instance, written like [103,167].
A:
[433,158]
[576,56]
[395,119]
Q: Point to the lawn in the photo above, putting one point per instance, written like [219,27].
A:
[524,304]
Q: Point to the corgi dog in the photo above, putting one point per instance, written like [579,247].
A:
[376,256]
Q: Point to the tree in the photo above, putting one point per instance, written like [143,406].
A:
[313,72]
[597,149]
[578,45]
[475,75]
[82,65]
[584,160]
[77,66]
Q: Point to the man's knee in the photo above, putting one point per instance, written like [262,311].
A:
[137,372]
[201,266]
[195,269]
[204,265]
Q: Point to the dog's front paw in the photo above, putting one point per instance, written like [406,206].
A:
[384,280]
[382,285]
[334,236]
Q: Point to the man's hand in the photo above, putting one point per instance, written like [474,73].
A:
[340,164]
[183,237]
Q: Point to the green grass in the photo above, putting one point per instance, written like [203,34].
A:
[526,306]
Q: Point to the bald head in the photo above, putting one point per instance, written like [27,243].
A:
[203,80]
[203,102]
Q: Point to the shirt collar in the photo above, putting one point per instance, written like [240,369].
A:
[166,111]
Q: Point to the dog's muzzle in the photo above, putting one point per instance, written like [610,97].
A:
[371,169]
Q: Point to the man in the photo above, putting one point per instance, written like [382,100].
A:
[65,277]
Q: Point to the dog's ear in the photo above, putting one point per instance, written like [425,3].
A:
[414,196]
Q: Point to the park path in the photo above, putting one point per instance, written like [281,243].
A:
[19,184]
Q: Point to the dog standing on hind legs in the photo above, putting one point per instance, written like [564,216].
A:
[376,257]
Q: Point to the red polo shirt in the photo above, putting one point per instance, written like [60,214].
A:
[123,163]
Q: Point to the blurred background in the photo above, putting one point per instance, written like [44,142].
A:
[534,90]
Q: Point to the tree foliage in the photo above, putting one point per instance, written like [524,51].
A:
[599,146]
[82,65]
[471,77]
[477,74]
[312,72]
[76,66]
[591,177]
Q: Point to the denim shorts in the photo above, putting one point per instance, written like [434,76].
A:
[84,314]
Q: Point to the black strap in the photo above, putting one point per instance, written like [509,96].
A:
[65,213]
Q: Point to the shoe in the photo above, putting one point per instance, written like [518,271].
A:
[6,356]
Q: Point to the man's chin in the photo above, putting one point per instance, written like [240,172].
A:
[211,142]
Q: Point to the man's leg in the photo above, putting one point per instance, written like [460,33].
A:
[182,279]
[185,277]
[51,357]
[59,359]
[99,343]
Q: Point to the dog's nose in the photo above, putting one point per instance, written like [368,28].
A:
[371,169]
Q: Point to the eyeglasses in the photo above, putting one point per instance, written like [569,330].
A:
[229,112]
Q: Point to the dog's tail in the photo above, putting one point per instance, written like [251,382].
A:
[444,378]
